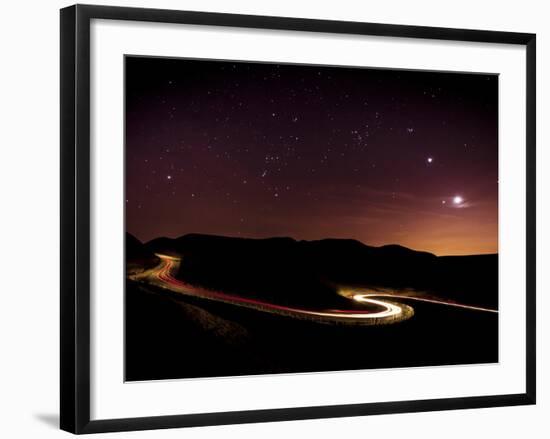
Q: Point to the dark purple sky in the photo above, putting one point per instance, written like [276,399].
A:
[258,150]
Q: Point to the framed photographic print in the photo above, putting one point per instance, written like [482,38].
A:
[305,218]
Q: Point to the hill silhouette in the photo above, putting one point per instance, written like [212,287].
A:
[138,256]
[292,271]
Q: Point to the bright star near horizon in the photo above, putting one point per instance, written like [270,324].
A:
[430,159]
[458,199]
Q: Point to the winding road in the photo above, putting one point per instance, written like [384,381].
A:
[376,311]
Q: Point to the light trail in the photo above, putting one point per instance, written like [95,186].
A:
[352,294]
[423,299]
[384,311]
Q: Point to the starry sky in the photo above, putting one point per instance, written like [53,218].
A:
[260,149]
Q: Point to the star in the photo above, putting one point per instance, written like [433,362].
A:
[168,177]
[458,199]
[430,159]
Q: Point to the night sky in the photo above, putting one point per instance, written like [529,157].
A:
[312,152]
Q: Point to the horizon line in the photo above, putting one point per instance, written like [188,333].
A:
[311,240]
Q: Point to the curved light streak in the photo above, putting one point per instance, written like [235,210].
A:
[389,312]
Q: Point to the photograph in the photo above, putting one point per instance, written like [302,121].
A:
[296,218]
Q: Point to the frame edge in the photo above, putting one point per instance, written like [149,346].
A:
[68,390]
[531,218]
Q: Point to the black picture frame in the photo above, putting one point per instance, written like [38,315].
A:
[75,217]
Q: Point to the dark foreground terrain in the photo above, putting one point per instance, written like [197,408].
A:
[170,335]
